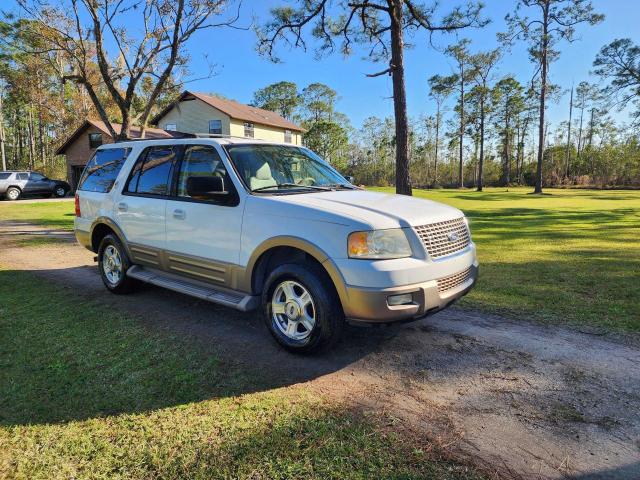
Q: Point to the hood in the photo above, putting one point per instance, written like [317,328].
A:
[373,209]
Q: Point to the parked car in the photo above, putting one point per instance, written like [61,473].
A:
[16,184]
[251,224]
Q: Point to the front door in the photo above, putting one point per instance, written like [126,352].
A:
[37,183]
[140,210]
[203,235]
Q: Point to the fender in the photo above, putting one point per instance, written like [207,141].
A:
[116,229]
[301,244]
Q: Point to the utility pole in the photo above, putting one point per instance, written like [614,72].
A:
[568,156]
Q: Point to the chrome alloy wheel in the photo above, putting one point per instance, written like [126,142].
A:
[292,310]
[60,192]
[112,264]
[13,194]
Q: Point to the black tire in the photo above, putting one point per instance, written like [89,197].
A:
[124,284]
[60,192]
[329,318]
[13,193]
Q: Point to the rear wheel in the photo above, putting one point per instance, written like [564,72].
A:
[113,263]
[59,192]
[13,193]
[301,308]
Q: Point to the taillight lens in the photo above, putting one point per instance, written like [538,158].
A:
[78,214]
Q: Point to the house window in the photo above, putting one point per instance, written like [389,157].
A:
[95,140]
[248,129]
[215,127]
[287,136]
[171,127]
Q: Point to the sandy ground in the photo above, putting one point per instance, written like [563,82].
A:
[520,399]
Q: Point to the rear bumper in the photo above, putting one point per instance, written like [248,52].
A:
[370,305]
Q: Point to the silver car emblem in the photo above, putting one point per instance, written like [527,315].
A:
[452,237]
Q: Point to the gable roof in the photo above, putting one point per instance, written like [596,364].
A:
[134,132]
[236,110]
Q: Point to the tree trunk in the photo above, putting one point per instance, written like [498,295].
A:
[580,130]
[2,150]
[435,162]
[568,156]
[32,147]
[481,161]
[543,95]
[403,181]
[460,172]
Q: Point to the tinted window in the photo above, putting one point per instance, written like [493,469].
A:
[36,177]
[200,161]
[95,140]
[151,173]
[4,175]
[101,171]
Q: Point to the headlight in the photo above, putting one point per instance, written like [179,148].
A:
[379,244]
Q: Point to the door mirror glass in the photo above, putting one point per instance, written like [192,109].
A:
[204,188]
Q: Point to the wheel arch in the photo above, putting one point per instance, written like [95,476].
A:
[277,250]
[102,227]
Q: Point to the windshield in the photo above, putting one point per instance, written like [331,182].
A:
[274,168]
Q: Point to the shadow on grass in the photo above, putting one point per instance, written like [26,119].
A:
[65,356]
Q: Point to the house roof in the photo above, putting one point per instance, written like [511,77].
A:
[134,132]
[235,110]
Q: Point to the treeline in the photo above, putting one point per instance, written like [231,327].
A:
[482,128]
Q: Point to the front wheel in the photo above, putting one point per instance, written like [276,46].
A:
[301,308]
[60,192]
[113,263]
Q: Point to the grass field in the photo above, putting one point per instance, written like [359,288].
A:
[90,393]
[571,256]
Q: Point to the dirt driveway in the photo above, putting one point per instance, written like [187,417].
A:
[523,400]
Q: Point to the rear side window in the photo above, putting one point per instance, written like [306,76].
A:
[4,175]
[152,172]
[100,173]
[22,176]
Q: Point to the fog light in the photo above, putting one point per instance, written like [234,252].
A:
[404,299]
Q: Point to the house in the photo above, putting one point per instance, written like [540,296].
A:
[199,113]
[79,147]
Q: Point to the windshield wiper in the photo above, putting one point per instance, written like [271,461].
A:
[342,185]
[291,185]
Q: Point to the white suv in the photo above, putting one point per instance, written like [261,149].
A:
[251,224]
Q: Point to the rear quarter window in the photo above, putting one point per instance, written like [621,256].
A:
[4,175]
[102,170]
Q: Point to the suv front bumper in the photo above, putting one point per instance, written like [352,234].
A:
[371,304]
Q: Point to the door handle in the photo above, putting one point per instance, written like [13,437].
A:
[179,214]
[122,207]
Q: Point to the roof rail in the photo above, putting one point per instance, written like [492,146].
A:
[177,137]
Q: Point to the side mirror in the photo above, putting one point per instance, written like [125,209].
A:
[205,187]
[350,179]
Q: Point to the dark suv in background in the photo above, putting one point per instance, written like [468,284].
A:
[16,184]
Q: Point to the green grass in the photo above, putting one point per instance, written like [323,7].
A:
[86,392]
[569,256]
[47,214]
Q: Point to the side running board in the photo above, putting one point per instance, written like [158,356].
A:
[194,288]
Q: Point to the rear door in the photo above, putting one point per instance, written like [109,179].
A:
[37,183]
[140,210]
[203,236]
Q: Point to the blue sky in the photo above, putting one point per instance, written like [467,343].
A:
[240,70]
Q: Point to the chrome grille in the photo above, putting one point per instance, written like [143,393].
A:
[453,281]
[437,237]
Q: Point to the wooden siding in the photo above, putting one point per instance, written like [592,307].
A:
[264,132]
[193,116]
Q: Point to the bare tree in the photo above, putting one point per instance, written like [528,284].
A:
[555,20]
[82,30]
[380,25]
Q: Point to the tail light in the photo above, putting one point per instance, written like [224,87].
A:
[78,214]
